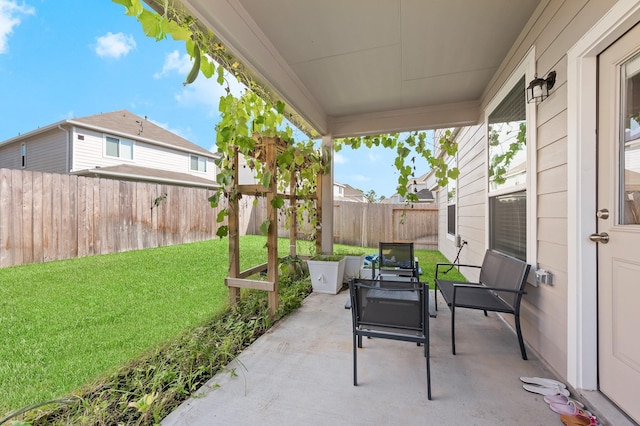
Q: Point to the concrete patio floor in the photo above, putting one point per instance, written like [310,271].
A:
[301,372]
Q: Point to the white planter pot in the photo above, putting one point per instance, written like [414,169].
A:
[352,267]
[326,277]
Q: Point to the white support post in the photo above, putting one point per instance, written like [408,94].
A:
[327,199]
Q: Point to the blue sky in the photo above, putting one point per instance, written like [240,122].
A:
[63,59]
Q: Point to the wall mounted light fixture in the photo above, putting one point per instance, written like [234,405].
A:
[538,89]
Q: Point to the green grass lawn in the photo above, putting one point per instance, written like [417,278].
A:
[64,323]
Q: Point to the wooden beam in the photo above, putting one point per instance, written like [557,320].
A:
[238,283]
[272,234]
[251,271]
[253,189]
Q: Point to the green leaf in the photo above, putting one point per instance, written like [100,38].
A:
[151,25]
[220,79]
[221,215]
[266,179]
[280,107]
[277,202]
[178,32]
[222,231]
[214,200]
[264,227]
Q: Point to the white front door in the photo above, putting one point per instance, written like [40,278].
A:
[618,223]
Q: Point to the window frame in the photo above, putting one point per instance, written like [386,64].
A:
[198,158]
[453,201]
[526,68]
[120,142]
[23,155]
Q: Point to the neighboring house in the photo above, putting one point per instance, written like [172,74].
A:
[117,145]
[418,186]
[345,192]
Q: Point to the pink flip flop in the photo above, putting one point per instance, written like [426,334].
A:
[561,399]
[569,409]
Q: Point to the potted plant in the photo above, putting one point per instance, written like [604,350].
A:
[353,264]
[326,272]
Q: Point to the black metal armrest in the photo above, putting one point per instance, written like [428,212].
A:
[456,265]
[483,287]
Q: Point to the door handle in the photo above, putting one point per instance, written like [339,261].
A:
[602,237]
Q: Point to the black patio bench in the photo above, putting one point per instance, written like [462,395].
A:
[499,289]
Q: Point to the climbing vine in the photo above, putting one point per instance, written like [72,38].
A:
[256,113]
[416,141]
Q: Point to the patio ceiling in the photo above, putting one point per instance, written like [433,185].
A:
[354,67]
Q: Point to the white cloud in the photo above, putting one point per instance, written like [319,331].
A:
[10,16]
[174,62]
[339,158]
[203,91]
[115,45]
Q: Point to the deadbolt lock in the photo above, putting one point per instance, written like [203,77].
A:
[603,214]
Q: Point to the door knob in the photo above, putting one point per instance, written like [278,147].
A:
[603,214]
[602,237]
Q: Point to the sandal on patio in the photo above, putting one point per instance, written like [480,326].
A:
[543,390]
[561,399]
[570,408]
[549,383]
[580,419]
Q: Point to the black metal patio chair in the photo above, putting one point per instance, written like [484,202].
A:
[388,309]
[396,259]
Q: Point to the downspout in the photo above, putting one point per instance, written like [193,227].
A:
[68,150]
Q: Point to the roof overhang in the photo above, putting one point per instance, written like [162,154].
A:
[354,67]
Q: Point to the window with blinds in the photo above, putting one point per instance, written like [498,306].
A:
[507,164]
[508,215]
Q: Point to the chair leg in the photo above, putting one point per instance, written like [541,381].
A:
[520,340]
[355,361]
[453,329]
[435,296]
[485,314]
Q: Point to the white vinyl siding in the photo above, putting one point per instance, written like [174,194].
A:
[88,154]
[554,29]
[46,152]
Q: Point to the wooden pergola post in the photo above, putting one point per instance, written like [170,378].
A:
[234,234]
[319,214]
[272,234]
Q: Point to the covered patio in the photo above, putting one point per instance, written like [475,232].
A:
[300,372]
[357,68]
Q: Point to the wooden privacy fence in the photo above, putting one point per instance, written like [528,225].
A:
[366,224]
[45,216]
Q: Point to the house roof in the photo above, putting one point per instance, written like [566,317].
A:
[130,172]
[126,124]
[358,67]
[351,193]
[136,127]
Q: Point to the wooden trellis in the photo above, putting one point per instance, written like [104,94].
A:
[266,151]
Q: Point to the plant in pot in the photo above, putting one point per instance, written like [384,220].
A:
[354,261]
[326,272]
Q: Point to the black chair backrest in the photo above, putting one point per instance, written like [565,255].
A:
[396,255]
[399,306]
[504,272]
